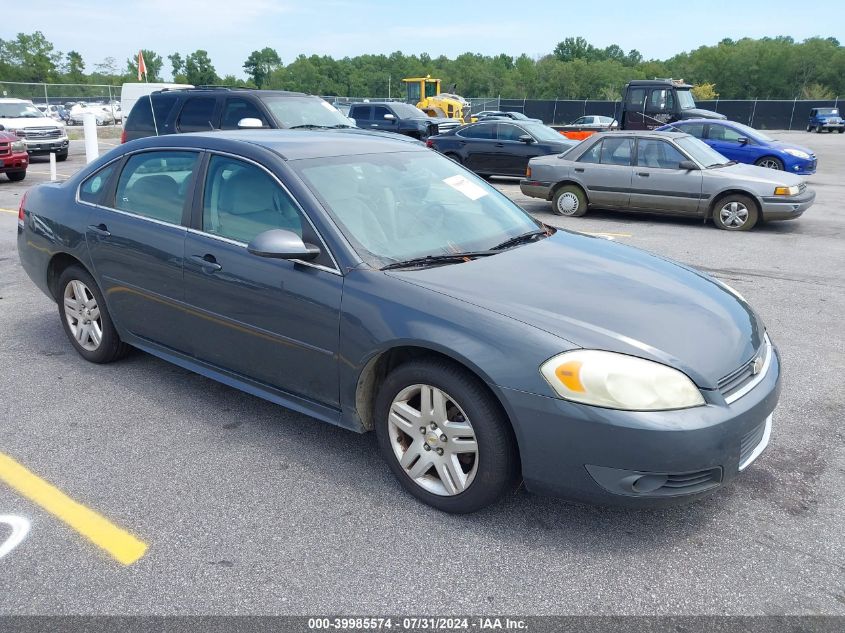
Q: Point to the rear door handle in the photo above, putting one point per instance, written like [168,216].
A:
[499,145]
[99,229]
[208,262]
[644,174]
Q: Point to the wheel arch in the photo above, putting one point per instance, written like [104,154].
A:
[563,183]
[733,191]
[56,266]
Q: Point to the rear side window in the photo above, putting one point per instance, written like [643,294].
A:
[636,97]
[94,187]
[593,154]
[693,129]
[616,151]
[155,184]
[237,109]
[197,115]
[481,131]
[141,117]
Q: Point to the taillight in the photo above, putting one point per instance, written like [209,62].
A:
[123,137]
[429,143]
[21,216]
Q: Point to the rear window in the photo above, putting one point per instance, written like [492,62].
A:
[141,117]
[197,115]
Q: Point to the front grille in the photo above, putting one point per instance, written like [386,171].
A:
[750,441]
[735,381]
[5,148]
[40,133]
[689,483]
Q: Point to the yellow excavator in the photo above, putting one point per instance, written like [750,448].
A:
[425,93]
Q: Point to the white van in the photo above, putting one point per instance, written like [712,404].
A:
[131,92]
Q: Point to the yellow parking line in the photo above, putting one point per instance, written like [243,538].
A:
[120,544]
[8,210]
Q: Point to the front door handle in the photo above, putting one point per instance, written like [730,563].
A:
[99,229]
[208,262]
[580,170]
[644,174]
[499,145]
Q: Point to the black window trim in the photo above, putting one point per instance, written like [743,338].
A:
[108,196]
[195,224]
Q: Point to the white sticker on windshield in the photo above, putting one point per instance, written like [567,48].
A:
[466,187]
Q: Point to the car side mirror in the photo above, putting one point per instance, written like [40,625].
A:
[389,117]
[281,244]
[526,138]
[742,140]
[250,123]
[688,165]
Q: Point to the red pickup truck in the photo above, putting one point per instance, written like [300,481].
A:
[13,157]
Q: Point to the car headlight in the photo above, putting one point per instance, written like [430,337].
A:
[618,381]
[797,153]
[18,146]
[786,191]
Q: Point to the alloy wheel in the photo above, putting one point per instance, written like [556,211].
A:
[83,315]
[734,215]
[433,440]
[769,163]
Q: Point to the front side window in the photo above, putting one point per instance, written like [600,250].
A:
[197,115]
[661,100]
[237,109]
[94,187]
[480,131]
[509,132]
[659,154]
[723,133]
[379,112]
[242,200]
[401,205]
[155,184]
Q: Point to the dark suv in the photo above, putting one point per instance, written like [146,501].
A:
[203,109]
[399,117]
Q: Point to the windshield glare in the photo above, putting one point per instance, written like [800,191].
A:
[750,132]
[402,205]
[544,133]
[19,111]
[293,111]
[700,151]
[407,111]
[685,99]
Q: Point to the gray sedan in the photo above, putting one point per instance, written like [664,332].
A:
[664,172]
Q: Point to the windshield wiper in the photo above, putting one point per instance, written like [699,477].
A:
[445,258]
[308,126]
[520,239]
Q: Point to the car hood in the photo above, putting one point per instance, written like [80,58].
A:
[698,113]
[781,145]
[22,122]
[599,294]
[761,175]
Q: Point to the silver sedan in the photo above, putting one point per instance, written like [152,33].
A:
[664,172]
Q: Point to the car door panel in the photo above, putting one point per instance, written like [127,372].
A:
[606,182]
[659,185]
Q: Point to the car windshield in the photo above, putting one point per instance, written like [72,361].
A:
[685,99]
[304,111]
[750,132]
[518,115]
[407,111]
[19,111]
[701,152]
[543,133]
[398,206]
[829,111]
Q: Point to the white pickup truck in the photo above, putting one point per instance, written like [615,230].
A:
[40,133]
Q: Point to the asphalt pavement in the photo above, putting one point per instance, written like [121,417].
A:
[247,508]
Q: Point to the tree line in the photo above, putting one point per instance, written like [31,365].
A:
[766,68]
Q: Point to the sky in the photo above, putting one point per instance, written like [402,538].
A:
[230,29]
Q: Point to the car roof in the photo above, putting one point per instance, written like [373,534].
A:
[292,144]
[14,100]
[221,90]
[639,133]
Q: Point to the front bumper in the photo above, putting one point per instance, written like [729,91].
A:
[787,208]
[36,147]
[640,459]
[535,188]
[14,162]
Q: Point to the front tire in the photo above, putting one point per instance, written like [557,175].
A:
[819,129]
[735,213]
[61,156]
[444,437]
[809,128]
[569,201]
[85,318]
[16,176]
[770,162]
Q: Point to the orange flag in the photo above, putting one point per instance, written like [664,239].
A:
[142,67]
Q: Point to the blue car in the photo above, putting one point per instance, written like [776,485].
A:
[744,144]
[822,119]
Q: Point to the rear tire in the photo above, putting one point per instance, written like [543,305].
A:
[840,130]
[16,176]
[424,401]
[809,128]
[570,201]
[85,317]
[735,212]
